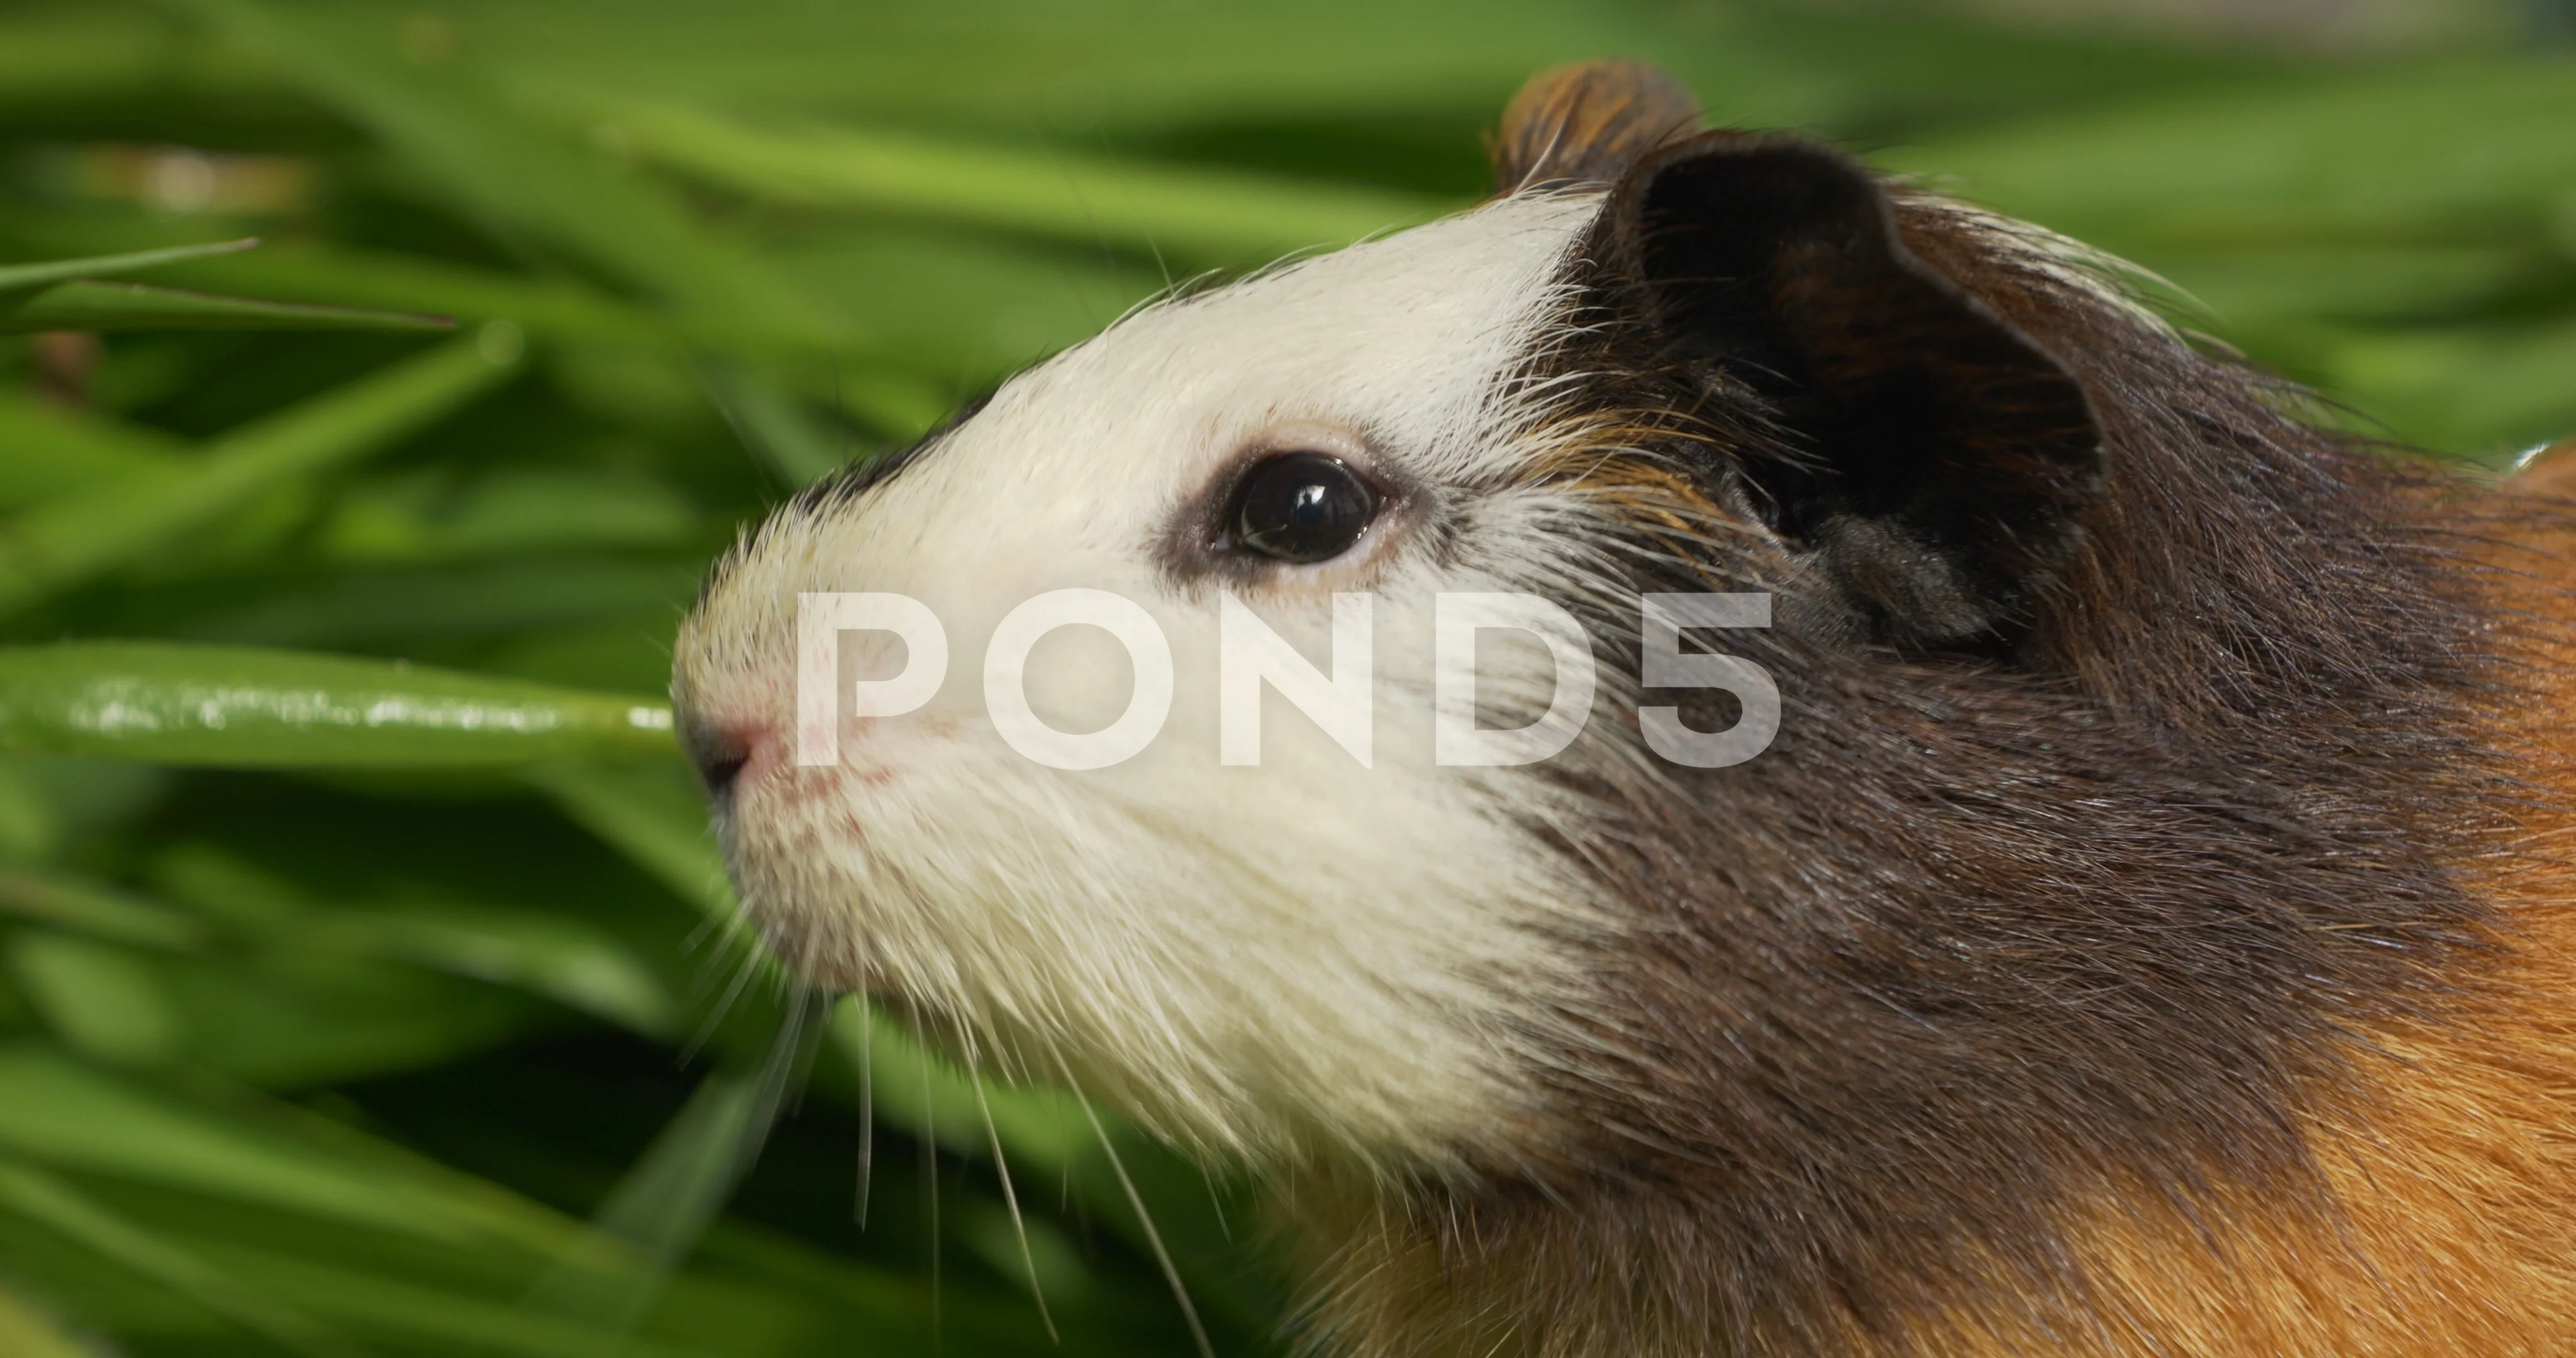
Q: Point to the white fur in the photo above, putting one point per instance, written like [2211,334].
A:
[1265,960]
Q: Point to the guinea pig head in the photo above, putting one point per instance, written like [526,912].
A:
[1667,363]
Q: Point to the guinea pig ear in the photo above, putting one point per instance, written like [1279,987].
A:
[1933,458]
[1587,124]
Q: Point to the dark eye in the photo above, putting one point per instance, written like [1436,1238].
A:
[1301,507]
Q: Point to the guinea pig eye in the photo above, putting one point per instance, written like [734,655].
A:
[1301,507]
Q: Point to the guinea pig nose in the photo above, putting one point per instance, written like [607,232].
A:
[719,755]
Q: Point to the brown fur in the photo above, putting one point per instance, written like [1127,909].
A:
[1586,123]
[2186,967]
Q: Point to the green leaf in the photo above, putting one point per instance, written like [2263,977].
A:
[1200,214]
[50,805]
[560,959]
[970,309]
[67,1116]
[386,1302]
[101,912]
[55,452]
[236,708]
[69,541]
[43,1197]
[20,278]
[770,423]
[103,1001]
[368,609]
[520,176]
[511,512]
[320,273]
[274,1156]
[83,305]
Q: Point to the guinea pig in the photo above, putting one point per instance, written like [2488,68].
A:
[2061,853]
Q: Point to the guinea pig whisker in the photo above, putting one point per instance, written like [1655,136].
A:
[742,975]
[930,1180]
[867,1063]
[1144,1218]
[1002,1168]
[782,1075]
[1216,1204]
[705,929]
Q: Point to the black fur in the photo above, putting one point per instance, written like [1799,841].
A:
[1932,457]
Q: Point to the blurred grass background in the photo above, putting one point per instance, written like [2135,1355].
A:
[366,978]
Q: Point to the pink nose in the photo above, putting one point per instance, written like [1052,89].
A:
[722,749]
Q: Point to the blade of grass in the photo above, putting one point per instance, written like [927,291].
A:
[484,1213]
[73,1117]
[562,959]
[902,298]
[571,965]
[518,175]
[319,274]
[326,273]
[40,1196]
[426,1318]
[55,452]
[233,1146]
[546,306]
[83,305]
[99,911]
[426,1297]
[771,423]
[105,1002]
[1212,215]
[236,708]
[370,609]
[69,541]
[23,278]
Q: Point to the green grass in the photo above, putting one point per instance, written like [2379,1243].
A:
[368,983]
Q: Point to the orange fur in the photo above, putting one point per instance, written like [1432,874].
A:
[2449,1162]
